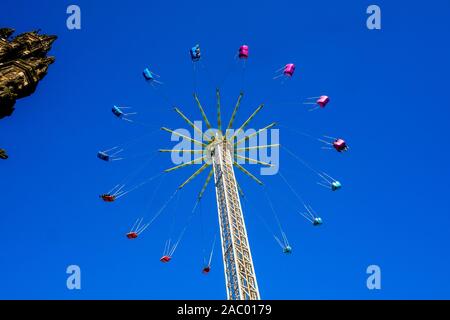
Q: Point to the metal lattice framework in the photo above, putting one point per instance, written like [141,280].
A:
[220,152]
[237,259]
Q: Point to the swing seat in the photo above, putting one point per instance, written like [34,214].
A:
[206,270]
[132,235]
[148,75]
[289,70]
[287,249]
[335,185]
[323,101]
[340,145]
[165,259]
[195,53]
[108,197]
[243,52]
[117,112]
[317,221]
[103,156]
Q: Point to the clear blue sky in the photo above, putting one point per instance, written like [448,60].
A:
[389,100]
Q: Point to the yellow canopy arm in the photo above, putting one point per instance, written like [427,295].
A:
[205,118]
[196,173]
[259,147]
[185,164]
[236,107]
[184,137]
[189,122]
[181,150]
[219,119]
[247,173]
[208,178]
[256,133]
[254,160]
[247,121]
[240,191]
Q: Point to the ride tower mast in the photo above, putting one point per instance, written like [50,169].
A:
[219,151]
[241,283]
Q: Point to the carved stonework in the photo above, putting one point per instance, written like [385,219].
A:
[3,154]
[23,63]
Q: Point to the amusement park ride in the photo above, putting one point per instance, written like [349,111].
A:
[219,152]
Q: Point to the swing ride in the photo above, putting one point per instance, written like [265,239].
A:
[312,216]
[339,144]
[287,71]
[119,113]
[150,76]
[243,52]
[137,229]
[320,102]
[218,153]
[195,53]
[328,182]
[110,155]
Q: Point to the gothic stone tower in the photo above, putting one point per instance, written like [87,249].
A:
[23,63]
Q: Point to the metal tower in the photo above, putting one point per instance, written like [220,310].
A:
[237,258]
[221,152]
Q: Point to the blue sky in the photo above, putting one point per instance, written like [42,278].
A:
[388,91]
